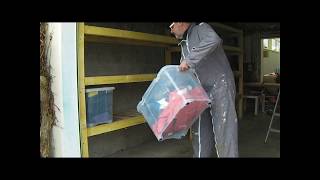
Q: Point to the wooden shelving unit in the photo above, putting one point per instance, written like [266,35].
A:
[99,80]
[86,33]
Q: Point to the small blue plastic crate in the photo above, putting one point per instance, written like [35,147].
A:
[99,102]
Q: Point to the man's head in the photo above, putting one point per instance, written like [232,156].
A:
[179,28]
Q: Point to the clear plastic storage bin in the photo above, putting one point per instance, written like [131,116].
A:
[172,102]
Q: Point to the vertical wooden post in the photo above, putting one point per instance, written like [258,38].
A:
[81,90]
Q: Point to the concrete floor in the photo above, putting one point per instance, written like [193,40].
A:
[252,132]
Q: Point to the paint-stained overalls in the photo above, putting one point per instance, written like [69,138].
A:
[215,133]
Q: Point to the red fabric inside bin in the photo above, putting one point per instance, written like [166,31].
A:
[178,115]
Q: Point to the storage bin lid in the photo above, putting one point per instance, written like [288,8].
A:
[100,89]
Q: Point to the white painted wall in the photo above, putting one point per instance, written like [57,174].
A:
[63,60]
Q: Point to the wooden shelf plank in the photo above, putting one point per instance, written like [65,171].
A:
[99,80]
[109,40]
[258,84]
[225,47]
[272,84]
[116,125]
[128,35]
[174,49]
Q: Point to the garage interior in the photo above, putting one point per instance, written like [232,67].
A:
[107,58]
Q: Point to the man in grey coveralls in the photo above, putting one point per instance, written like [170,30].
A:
[215,133]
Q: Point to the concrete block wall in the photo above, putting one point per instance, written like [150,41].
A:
[118,59]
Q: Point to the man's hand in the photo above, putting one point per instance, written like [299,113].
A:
[184,66]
